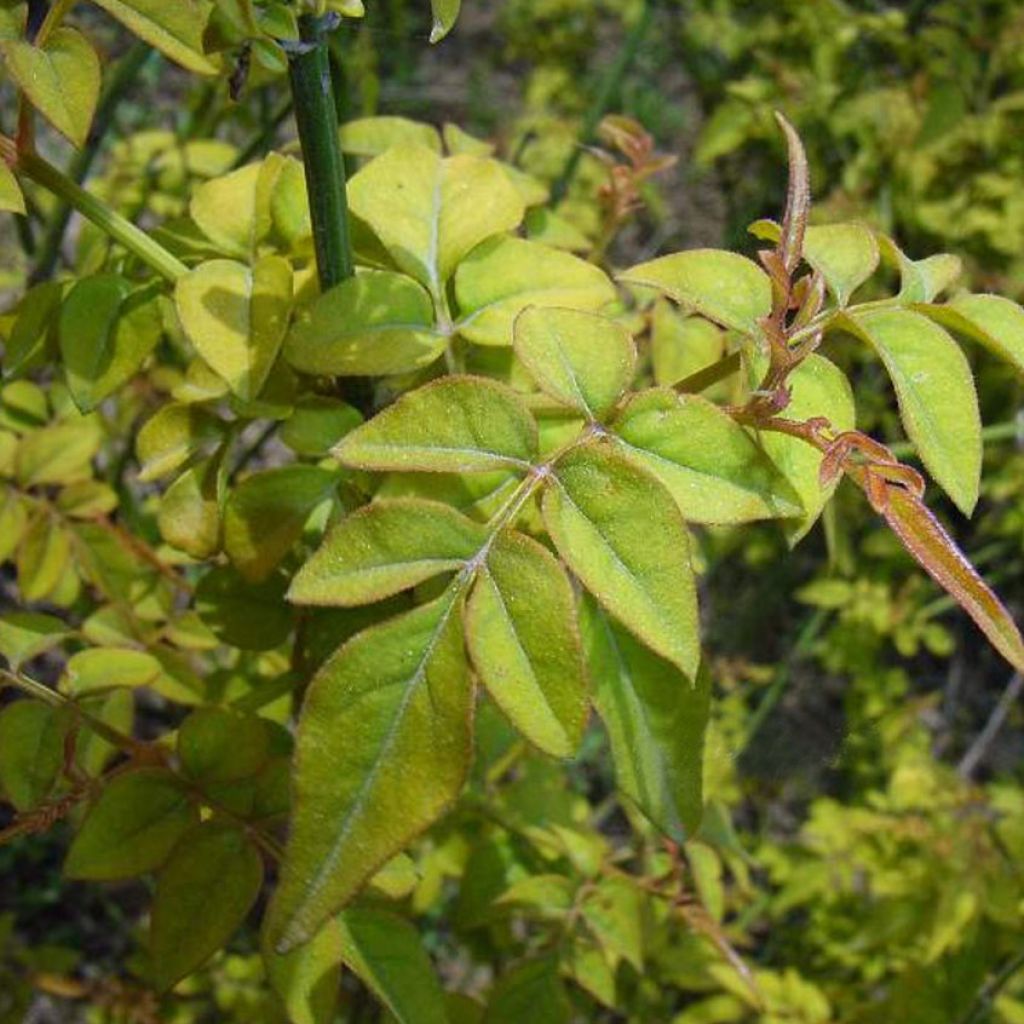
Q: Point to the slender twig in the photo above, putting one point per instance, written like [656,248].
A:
[977,751]
[121,230]
[123,75]
[709,375]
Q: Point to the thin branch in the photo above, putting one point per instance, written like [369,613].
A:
[978,750]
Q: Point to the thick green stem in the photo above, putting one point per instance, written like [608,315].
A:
[122,76]
[135,240]
[603,99]
[317,119]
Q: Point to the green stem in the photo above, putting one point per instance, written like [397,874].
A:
[122,76]
[603,99]
[134,239]
[317,119]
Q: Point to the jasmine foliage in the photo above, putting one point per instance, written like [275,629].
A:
[439,583]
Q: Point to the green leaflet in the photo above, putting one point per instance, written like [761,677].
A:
[845,255]
[233,210]
[445,12]
[504,276]
[58,454]
[31,751]
[107,328]
[655,719]
[371,136]
[43,557]
[171,436]
[722,286]
[394,707]
[203,893]
[307,979]
[132,827]
[25,635]
[373,324]
[252,616]
[385,952]
[530,991]
[429,211]
[991,320]
[710,465]
[935,389]
[818,388]
[189,517]
[33,339]
[522,637]
[221,745]
[103,668]
[384,548]
[11,198]
[61,79]
[621,533]
[317,424]
[580,359]
[176,30]
[237,317]
[265,515]
[456,425]
[614,913]
[681,345]
[920,280]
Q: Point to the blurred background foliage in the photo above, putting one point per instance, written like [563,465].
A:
[862,857]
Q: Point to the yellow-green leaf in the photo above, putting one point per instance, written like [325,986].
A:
[457,425]
[103,668]
[58,454]
[522,637]
[722,286]
[935,389]
[655,720]
[371,136]
[203,893]
[580,359]
[107,328]
[392,712]
[374,324]
[620,531]
[429,211]
[817,388]
[445,12]
[11,198]
[61,79]
[386,953]
[217,745]
[504,276]
[171,436]
[993,321]
[714,469]
[189,517]
[266,512]
[31,751]
[237,317]
[307,980]
[175,29]
[384,548]
[132,827]
[25,635]
[845,255]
